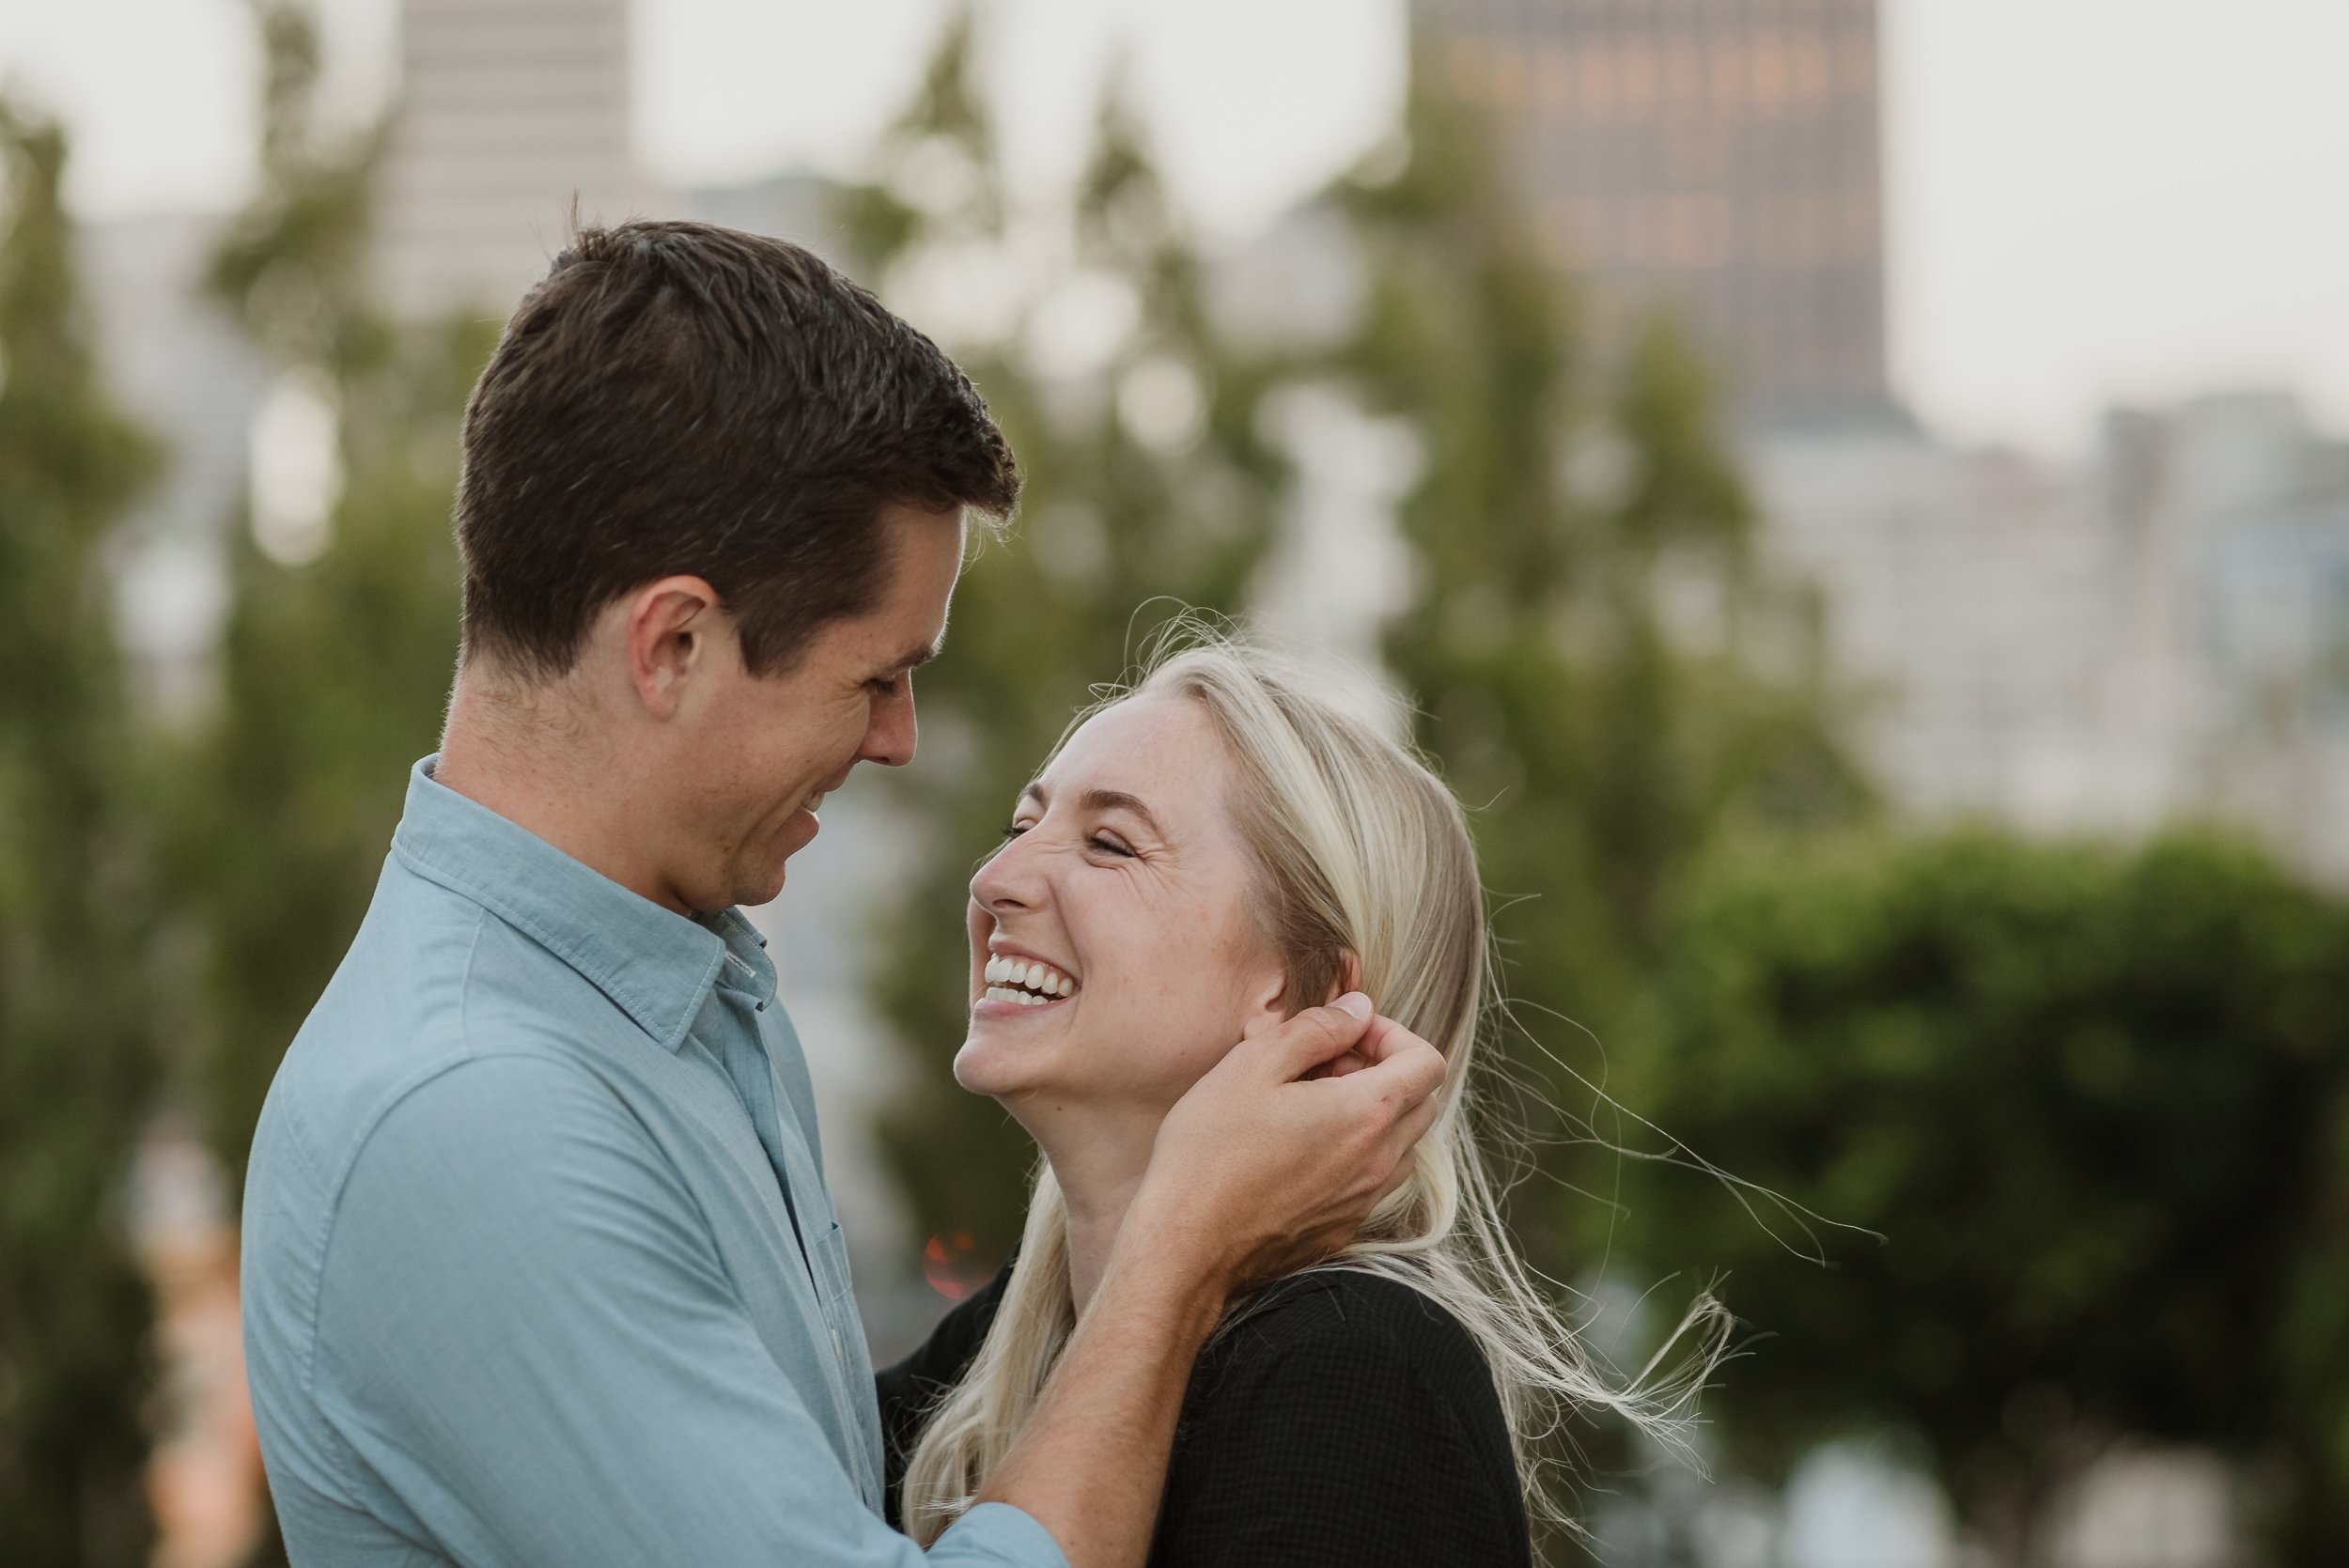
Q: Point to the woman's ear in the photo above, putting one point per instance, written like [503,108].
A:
[1349,977]
[1268,1000]
[1271,1004]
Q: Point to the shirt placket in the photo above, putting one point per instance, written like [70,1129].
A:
[743,1054]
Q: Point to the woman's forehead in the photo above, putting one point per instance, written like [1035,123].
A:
[1159,748]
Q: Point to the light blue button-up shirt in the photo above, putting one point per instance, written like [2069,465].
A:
[539,1267]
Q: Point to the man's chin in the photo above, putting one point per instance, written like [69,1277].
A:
[760,888]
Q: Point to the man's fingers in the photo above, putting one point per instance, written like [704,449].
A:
[1412,1126]
[1379,1036]
[1317,1035]
[1403,1138]
[1406,1067]
[1385,1038]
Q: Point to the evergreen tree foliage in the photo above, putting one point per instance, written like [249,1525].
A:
[1147,492]
[1605,672]
[336,668]
[78,1064]
[2094,1103]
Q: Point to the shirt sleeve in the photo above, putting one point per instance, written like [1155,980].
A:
[528,1341]
[1331,1450]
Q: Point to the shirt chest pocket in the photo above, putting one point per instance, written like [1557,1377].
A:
[828,1261]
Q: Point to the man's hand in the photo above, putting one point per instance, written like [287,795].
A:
[1261,1170]
[1256,1172]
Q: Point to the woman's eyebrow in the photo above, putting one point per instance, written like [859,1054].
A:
[1099,800]
[1117,799]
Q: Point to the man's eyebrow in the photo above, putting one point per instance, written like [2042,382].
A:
[917,656]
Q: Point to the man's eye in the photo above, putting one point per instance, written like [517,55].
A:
[1109,846]
[883,686]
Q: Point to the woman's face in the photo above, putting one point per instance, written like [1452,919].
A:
[1126,878]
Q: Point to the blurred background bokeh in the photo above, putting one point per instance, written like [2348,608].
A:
[1855,496]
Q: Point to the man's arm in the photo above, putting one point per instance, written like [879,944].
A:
[526,1338]
[1254,1173]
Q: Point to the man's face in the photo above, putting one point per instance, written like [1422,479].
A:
[758,753]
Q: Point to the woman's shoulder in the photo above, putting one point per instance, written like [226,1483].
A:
[1325,1378]
[1376,1312]
[1333,1345]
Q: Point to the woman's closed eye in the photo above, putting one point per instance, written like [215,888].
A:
[1106,842]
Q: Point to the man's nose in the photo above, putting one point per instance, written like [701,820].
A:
[891,734]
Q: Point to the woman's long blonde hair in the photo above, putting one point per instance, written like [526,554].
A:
[1363,852]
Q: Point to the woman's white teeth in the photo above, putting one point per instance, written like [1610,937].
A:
[1037,982]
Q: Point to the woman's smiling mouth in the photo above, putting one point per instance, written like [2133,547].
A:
[1026,981]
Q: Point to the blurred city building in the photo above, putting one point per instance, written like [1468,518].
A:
[2146,637]
[1718,157]
[2158,636]
[795,207]
[508,111]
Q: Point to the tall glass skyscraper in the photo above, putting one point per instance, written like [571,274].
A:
[507,109]
[1718,156]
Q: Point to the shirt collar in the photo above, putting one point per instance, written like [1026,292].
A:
[657,966]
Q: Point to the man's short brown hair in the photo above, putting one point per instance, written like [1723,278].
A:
[680,399]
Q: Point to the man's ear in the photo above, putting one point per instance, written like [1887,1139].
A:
[668,630]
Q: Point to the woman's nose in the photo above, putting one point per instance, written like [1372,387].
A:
[1010,879]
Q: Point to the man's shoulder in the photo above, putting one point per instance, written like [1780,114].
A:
[432,985]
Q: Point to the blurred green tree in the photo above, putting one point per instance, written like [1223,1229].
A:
[1608,674]
[338,654]
[2095,1102]
[1148,491]
[79,1071]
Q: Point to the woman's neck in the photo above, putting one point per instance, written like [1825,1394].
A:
[1098,1163]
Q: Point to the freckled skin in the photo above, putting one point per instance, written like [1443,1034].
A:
[1171,967]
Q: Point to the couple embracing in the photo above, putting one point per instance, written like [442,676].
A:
[540,1266]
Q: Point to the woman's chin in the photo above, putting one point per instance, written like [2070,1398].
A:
[988,1066]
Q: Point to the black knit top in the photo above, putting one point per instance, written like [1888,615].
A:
[1342,1419]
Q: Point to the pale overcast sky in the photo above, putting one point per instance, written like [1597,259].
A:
[2090,199]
